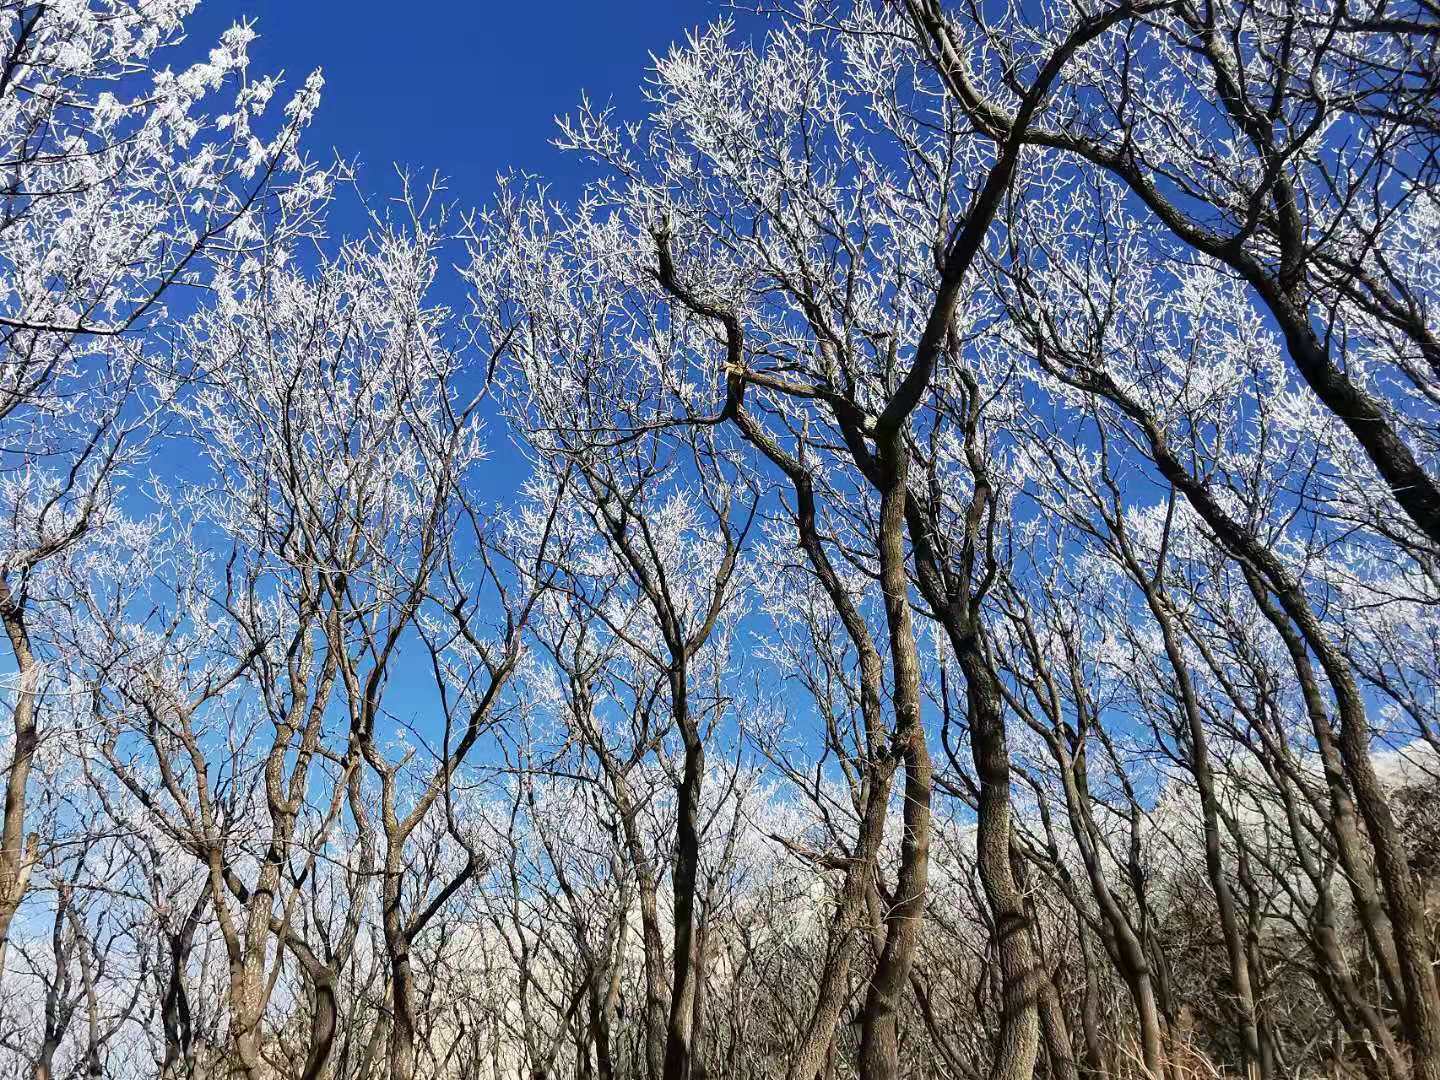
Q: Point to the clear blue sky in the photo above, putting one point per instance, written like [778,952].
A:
[465,88]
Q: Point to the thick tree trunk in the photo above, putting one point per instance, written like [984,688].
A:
[1414,489]
[1096,1064]
[600,1035]
[323,1026]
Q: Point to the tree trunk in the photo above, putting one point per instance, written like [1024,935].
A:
[1200,769]
[879,1049]
[175,1006]
[679,1031]
[18,852]
[652,944]
[1019,1036]
[1057,1033]
[402,980]
[698,1070]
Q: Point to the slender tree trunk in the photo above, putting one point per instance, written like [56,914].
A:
[18,852]
[1019,1036]
[604,1000]
[94,1065]
[175,1006]
[1056,1032]
[1095,1060]
[653,946]
[402,979]
[1200,769]
[1344,825]
[58,1010]
[679,1031]
[698,1070]
[1122,942]
[847,931]
[879,1047]
[815,1054]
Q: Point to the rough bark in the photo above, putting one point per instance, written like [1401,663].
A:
[18,851]
[879,1047]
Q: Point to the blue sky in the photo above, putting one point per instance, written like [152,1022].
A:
[466,89]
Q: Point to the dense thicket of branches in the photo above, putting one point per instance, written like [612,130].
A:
[972,608]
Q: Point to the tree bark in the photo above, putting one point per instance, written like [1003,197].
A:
[679,1030]
[879,1047]
[18,852]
